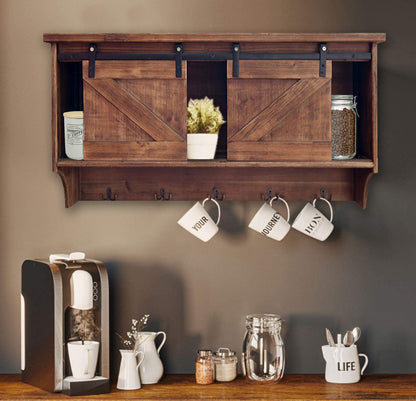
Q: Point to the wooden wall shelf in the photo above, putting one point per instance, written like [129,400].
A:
[276,100]
[183,387]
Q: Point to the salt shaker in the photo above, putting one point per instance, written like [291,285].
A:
[204,367]
[225,363]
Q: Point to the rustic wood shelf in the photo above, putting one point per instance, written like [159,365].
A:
[274,92]
[353,163]
[183,387]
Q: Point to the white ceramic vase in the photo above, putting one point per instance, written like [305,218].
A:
[151,370]
[128,376]
[201,146]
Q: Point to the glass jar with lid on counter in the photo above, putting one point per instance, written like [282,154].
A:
[343,127]
[204,367]
[225,364]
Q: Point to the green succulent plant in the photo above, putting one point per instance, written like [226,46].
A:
[203,116]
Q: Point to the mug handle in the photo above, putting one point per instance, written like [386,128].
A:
[365,363]
[141,360]
[87,364]
[218,206]
[287,206]
[329,204]
[163,341]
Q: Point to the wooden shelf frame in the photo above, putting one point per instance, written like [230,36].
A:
[183,387]
[129,179]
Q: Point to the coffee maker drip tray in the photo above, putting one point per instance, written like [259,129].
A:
[96,385]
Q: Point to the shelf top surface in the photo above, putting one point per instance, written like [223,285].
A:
[183,387]
[214,37]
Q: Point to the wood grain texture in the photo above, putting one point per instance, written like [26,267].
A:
[215,37]
[275,69]
[55,108]
[71,183]
[137,69]
[134,150]
[133,183]
[183,387]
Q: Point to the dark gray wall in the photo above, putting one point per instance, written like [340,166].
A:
[199,293]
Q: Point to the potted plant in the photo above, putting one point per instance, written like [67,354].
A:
[204,121]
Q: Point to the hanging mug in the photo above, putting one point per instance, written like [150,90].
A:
[310,221]
[199,223]
[269,222]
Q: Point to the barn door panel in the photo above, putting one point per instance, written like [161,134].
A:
[134,110]
[283,111]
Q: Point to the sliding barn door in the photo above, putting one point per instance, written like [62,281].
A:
[134,110]
[279,110]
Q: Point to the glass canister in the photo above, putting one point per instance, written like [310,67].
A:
[343,126]
[263,348]
[204,367]
[225,363]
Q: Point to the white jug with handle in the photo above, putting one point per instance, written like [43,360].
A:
[128,377]
[151,370]
[342,364]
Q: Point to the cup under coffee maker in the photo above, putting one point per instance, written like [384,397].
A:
[65,321]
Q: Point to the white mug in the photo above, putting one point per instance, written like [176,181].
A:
[312,222]
[83,358]
[269,222]
[199,223]
[342,364]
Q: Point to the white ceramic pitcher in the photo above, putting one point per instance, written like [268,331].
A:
[128,377]
[342,364]
[151,370]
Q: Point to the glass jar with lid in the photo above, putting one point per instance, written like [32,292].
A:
[343,127]
[204,367]
[263,348]
[225,364]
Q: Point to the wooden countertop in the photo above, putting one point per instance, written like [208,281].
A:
[183,387]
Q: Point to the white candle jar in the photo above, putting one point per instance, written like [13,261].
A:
[74,134]
[225,363]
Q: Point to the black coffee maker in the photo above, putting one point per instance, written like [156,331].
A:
[65,324]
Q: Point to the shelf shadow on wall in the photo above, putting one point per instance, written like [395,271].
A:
[137,289]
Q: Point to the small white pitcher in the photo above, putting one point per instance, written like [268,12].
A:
[151,370]
[128,377]
[342,364]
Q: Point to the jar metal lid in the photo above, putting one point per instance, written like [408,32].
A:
[263,321]
[205,352]
[224,352]
[342,97]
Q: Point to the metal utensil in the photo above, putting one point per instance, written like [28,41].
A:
[329,338]
[356,332]
[348,339]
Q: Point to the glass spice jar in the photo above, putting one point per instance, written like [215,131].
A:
[204,367]
[343,127]
[225,363]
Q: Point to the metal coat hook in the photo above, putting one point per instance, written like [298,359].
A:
[268,196]
[163,195]
[109,195]
[216,195]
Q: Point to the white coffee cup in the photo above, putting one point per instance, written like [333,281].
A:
[312,222]
[83,358]
[342,364]
[74,134]
[199,223]
[269,222]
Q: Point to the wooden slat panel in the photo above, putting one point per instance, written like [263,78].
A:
[56,110]
[139,113]
[135,69]
[134,150]
[299,151]
[191,184]
[291,99]
[275,69]
[215,37]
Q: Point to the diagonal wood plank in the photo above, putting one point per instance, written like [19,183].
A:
[268,118]
[134,109]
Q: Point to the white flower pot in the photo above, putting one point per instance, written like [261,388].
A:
[201,146]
